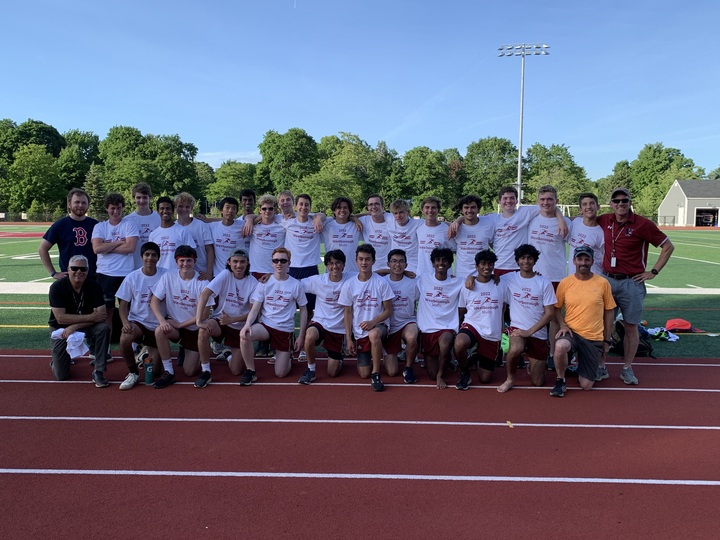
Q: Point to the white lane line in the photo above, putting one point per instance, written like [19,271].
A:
[373,422]
[370,476]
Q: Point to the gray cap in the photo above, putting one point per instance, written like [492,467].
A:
[584,250]
[623,190]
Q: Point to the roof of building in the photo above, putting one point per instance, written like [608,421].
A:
[700,189]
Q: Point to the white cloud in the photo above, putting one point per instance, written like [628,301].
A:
[215,159]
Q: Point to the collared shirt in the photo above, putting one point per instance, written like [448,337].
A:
[629,243]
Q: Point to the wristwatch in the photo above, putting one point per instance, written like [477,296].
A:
[654,272]
[608,341]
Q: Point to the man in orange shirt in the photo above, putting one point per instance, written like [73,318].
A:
[586,326]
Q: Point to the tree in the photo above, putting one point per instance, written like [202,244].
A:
[620,177]
[427,173]
[95,187]
[714,174]
[489,164]
[33,176]
[120,143]
[205,175]
[72,166]
[289,157]
[230,178]
[174,161]
[8,142]
[554,165]
[88,144]
[323,187]
[35,132]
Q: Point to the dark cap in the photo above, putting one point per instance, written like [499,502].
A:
[623,190]
[584,250]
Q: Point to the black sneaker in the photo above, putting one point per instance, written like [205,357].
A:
[572,370]
[559,388]
[376,382]
[307,377]
[248,378]
[165,380]
[203,380]
[99,379]
[409,375]
[550,363]
[464,381]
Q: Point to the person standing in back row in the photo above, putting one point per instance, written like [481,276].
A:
[627,239]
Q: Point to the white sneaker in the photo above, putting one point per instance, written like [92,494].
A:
[302,357]
[141,356]
[130,381]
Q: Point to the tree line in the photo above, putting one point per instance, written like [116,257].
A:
[38,165]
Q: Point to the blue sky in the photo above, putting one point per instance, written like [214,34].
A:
[220,74]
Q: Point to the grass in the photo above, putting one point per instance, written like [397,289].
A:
[23,317]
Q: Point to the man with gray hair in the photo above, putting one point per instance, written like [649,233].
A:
[78,304]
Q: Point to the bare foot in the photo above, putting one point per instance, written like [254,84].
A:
[441,384]
[504,387]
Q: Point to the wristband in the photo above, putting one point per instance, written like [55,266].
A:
[53,274]
[654,272]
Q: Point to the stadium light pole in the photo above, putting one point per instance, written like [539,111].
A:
[522,50]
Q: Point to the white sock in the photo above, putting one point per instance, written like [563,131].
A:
[311,367]
[205,367]
[167,365]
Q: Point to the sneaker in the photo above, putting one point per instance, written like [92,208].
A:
[203,380]
[165,380]
[572,371]
[409,376]
[99,379]
[464,381]
[307,377]
[453,365]
[376,382]
[141,356]
[223,355]
[550,363]
[602,374]
[627,376]
[248,378]
[271,360]
[559,388]
[217,347]
[130,381]
[302,357]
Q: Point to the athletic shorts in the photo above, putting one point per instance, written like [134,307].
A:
[333,343]
[430,342]
[230,336]
[535,348]
[393,343]
[629,296]
[148,336]
[588,354]
[110,286]
[188,339]
[486,350]
[279,340]
[364,348]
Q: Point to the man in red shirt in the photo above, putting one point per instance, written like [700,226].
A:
[627,238]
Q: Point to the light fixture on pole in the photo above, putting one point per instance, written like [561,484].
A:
[522,50]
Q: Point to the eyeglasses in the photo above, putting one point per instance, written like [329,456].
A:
[79,268]
[620,201]
[267,209]
[397,261]
[279,261]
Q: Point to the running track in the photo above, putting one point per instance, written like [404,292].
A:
[335,460]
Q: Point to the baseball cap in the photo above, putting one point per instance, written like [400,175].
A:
[584,250]
[615,191]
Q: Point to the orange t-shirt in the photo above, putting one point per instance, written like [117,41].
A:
[585,303]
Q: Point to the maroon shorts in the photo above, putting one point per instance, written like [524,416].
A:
[535,348]
[431,342]
[148,336]
[188,339]
[230,336]
[393,343]
[485,348]
[279,340]
[333,343]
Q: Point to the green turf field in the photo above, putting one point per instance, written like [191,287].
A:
[695,265]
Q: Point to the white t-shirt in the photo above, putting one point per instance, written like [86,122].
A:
[527,298]
[226,239]
[303,242]
[543,234]
[136,288]
[279,299]
[169,239]
[470,240]
[344,237]
[405,296]
[581,235]
[328,312]
[181,296]
[429,238]
[438,303]
[263,240]
[404,237]
[366,299]
[200,232]
[145,225]
[115,264]
[233,295]
[510,233]
[484,305]
[376,234]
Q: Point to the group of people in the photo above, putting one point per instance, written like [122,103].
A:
[423,288]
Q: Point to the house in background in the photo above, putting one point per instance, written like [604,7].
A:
[691,203]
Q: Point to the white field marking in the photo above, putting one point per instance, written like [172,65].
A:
[368,476]
[711,246]
[24,256]
[692,286]
[46,308]
[370,421]
[409,387]
[695,260]
[35,240]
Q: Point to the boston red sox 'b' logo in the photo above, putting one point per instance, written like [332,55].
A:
[80,236]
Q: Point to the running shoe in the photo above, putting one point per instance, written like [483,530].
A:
[409,375]
[464,381]
[99,379]
[559,388]
[165,380]
[307,377]
[376,382]
[627,376]
[602,374]
[130,381]
[248,378]
[203,380]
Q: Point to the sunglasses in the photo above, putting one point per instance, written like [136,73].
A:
[267,209]
[279,261]
[79,268]
[620,201]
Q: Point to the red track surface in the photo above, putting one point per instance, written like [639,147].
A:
[478,463]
